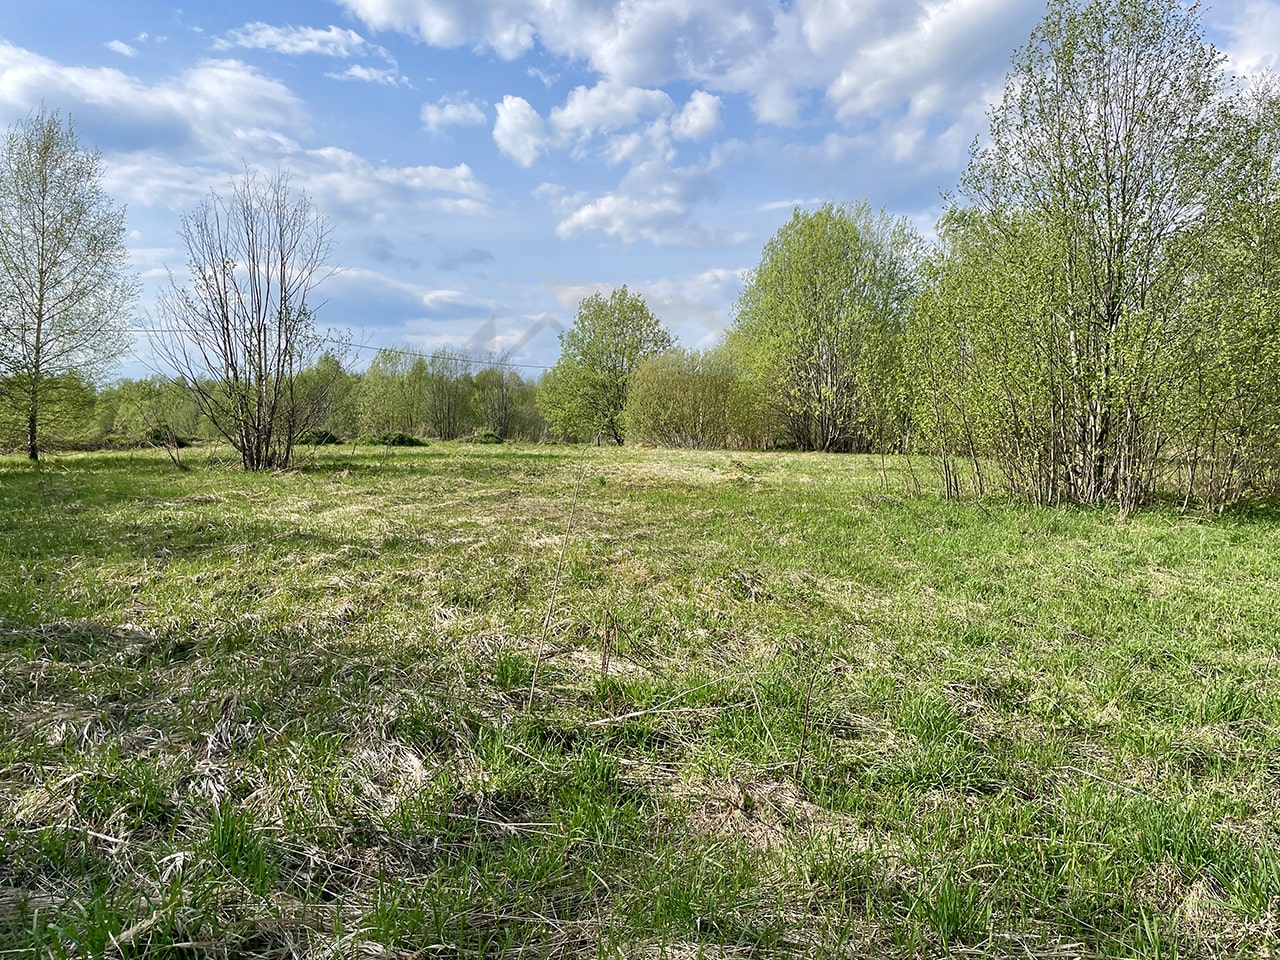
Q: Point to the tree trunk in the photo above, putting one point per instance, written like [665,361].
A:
[33,448]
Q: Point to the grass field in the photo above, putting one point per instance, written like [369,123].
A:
[772,706]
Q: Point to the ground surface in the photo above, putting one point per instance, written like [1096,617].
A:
[780,708]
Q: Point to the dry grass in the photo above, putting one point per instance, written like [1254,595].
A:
[782,709]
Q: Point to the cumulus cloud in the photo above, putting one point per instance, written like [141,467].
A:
[172,141]
[453,111]
[1254,31]
[349,186]
[208,109]
[653,202]
[700,117]
[122,48]
[864,60]
[607,106]
[519,130]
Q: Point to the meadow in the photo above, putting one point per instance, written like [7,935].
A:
[468,701]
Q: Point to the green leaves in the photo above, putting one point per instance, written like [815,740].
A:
[1061,330]
[820,325]
[585,393]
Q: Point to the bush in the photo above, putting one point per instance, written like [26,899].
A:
[484,436]
[397,439]
[318,438]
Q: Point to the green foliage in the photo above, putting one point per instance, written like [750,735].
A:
[156,411]
[1056,339]
[64,413]
[585,393]
[820,325]
[393,439]
[446,386]
[1230,396]
[65,290]
[319,438]
[689,398]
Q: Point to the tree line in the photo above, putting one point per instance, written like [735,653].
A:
[1098,320]
[1095,321]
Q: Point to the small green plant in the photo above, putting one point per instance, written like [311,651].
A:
[319,438]
[394,439]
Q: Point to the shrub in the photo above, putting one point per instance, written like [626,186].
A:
[396,439]
[319,438]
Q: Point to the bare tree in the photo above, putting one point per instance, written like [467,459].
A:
[65,289]
[243,328]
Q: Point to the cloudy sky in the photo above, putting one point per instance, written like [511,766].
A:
[486,163]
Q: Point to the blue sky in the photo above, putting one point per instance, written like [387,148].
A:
[486,163]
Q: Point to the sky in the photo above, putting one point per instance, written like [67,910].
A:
[485,164]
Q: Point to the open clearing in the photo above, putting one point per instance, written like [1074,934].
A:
[780,708]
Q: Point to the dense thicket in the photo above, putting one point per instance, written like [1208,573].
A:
[1057,333]
[820,326]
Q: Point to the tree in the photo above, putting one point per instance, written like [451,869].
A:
[1230,402]
[385,403]
[243,329]
[585,393]
[1102,147]
[497,395]
[447,386]
[820,324]
[688,398]
[65,289]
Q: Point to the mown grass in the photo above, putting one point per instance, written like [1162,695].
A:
[781,708]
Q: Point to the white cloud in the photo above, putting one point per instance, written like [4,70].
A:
[654,202]
[519,130]
[122,48]
[349,186]
[865,59]
[607,106]
[208,110]
[358,71]
[1254,29]
[700,117]
[293,41]
[452,111]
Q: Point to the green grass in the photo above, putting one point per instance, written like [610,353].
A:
[779,707]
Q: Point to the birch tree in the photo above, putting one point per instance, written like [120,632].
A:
[66,292]
[1103,141]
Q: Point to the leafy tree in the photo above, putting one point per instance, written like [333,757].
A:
[325,394]
[385,403]
[585,393]
[1230,399]
[65,289]
[820,324]
[1095,176]
[242,331]
[688,398]
[497,396]
[447,385]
